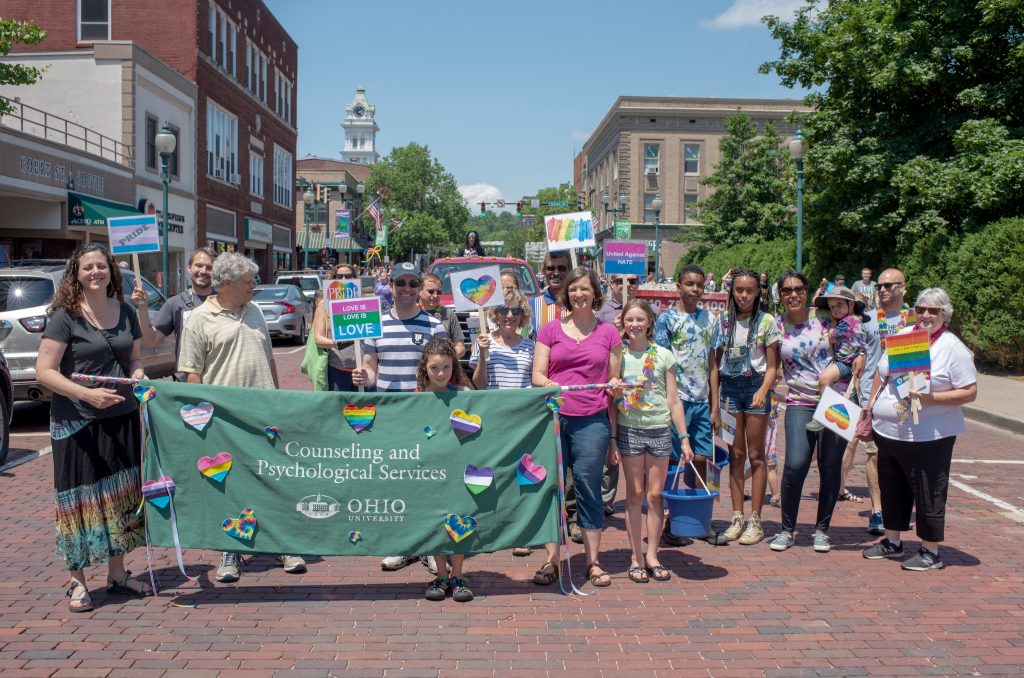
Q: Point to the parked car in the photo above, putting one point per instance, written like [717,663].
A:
[286,310]
[309,283]
[26,293]
[6,403]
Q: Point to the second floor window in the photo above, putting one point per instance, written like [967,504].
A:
[221,143]
[282,177]
[691,159]
[256,175]
[93,20]
[651,158]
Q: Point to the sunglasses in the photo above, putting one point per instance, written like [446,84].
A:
[927,310]
[433,292]
[344,276]
[505,310]
[631,281]
[794,290]
[889,286]
[414,284]
[560,269]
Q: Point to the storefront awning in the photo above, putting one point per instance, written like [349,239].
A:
[88,210]
[346,245]
[316,238]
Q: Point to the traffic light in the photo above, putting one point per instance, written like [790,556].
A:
[519,209]
[579,202]
[322,193]
[483,208]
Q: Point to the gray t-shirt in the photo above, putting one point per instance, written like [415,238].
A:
[173,314]
[867,290]
[106,353]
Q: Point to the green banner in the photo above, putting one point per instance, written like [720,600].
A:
[352,474]
[623,229]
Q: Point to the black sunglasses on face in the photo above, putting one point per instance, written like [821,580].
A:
[889,286]
[412,283]
[560,269]
[505,310]
[631,281]
[794,290]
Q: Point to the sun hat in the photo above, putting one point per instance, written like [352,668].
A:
[844,293]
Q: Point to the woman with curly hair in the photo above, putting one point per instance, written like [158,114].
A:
[94,431]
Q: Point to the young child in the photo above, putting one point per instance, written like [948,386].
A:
[844,336]
[644,439]
[439,371]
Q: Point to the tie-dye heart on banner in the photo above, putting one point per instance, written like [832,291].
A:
[215,469]
[197,416]
[429,431]
[243,527]
[158,492]
[529,473]
[271,432]
[478,479]
[359,417]
[478,290]
[459,527]
[355,536]
[143,393]
[464,424]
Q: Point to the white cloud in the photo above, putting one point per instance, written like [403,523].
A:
[744,13]
[474,194]
[578,135]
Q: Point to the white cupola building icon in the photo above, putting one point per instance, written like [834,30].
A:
[360,131]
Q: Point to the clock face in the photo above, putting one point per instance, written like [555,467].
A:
[359,111]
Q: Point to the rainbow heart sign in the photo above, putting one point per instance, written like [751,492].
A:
[216,469]
[478,479]
[459,527]
[838,415]
[243,527]
[475,288]
[143,393]
[529,473]
[272,432]
[158,492]
[359,417]
[197,416]
[465,424]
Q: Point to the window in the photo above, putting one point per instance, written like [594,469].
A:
[651,152]
[221,143]
[172,162]
[256,65]
[649,208]
[691,159]
[223,39]
[151,126]
[256,175]
[282,177]
[690,212]
[211,48]
[282,96]
[93,20]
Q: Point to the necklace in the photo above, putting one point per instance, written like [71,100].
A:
[645,382]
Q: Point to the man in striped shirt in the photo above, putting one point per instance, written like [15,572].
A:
[545,308]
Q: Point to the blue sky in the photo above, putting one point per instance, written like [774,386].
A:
[505,93]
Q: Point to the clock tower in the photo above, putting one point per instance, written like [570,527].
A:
[360,131]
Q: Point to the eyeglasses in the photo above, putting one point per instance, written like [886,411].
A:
[560,269]
[432,292]
[927,310]
[631,281]
[344,276]
[505,310]
[794,290]
[889,286]
[414,284]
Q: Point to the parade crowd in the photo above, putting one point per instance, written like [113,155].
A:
[671,376]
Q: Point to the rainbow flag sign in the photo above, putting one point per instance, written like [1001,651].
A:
[352,319]
[570,231]
[908,352]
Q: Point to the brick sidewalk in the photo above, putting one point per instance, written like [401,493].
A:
[728,611]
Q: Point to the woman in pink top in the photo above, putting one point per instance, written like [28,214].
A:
[581,349]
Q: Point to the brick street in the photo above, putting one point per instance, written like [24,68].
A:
[728,611]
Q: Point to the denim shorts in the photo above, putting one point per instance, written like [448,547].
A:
[633,442]
[698,425]
[740,393]
[845,369]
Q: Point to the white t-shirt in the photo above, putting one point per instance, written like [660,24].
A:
[952,368]
[767,334]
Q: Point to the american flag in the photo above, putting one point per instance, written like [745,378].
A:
[374,211]
[397,223]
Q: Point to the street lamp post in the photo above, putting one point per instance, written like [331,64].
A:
[166,142]
[656,205]
[798,149]
[307,199]
[623,200]
[360,189]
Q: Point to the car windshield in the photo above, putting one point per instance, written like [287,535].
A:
[304,283]
[270,293]
[522,271]
[23,292]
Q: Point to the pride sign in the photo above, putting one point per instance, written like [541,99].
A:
[353,319]
[908,352]
[625,257]
[570,231]
[132,235]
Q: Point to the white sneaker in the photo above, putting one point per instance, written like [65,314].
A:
[229,570]
[783,540]
[822,544]
[430,564]
[392,563]
[291,564]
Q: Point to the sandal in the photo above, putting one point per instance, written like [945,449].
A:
[129,584]
[659,573]
[522,551]
[78,595]
[595,573]
[637,574]
[846,495]
[545,576]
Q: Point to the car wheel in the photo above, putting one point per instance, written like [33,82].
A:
[300,338]
[5,432]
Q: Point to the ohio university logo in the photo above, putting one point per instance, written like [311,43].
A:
[376,510]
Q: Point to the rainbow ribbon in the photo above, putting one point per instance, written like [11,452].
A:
[372,252]
[129,381]
[600,387]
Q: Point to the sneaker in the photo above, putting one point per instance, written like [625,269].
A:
[883,549]
[461,593]
[822,544]
[392,563]
[875,525]
[735,528]
[669,539]
[775,501]
[923,560]
[429,563]
[438,589]
[291,564]
[783,540]
[230,567]
[814,426]
[753,533]
[575,533]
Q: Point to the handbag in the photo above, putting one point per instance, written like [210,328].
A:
[314,363]
[864,430]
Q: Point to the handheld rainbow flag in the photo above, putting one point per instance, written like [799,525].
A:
[908,352]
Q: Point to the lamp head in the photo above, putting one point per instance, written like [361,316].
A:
[798,146]
[657,203]
[308,196]
[166,142]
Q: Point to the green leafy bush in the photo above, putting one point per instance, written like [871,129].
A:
[773,257]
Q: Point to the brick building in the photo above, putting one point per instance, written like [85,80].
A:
[245,67]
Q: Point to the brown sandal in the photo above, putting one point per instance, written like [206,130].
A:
[544,576]
[595,577]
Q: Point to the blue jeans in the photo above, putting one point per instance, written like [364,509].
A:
[739,391]
[341,380]
[800,444]
[584,448]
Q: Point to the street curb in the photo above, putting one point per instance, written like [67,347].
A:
[26,459]
[1011,424]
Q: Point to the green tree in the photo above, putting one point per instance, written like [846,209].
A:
[423,195]
[752,198]
[895,82]
[12,33]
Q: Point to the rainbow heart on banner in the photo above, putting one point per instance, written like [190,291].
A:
[271,432]
[459,527]
[359,417]
[243,527]
[158,492]
[143,393]
[216,469]
[529,473]
[355,536]
[197,416]
[465,424]
[478,479]
[478,290]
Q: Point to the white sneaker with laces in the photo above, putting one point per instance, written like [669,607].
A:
[392,563]
[229,570]
[291,564]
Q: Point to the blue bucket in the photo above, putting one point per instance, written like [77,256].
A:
[690,510]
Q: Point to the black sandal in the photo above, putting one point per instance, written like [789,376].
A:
[543,576]
[140,587]
[595,577]
[659,573]
[79,602]
[638,574]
